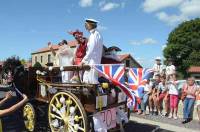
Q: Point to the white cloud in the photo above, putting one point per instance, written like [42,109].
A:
[145,62]
[146,41]
[186,10]
[171,19]
[109,6]
[101,28]
[155,5]
[164,46]
[85,3]
[149,41]
[190,8]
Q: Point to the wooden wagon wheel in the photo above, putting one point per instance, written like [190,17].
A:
[29,117]
[66,113]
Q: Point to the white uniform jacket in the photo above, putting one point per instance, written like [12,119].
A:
[93,56]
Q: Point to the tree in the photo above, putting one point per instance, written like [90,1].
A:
[23,61]
[37,65]
[183,45]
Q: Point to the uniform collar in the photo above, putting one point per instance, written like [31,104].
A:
[93,30]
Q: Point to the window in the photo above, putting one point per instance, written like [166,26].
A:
[127,63]
[49,58]
[35,59]
[41,59]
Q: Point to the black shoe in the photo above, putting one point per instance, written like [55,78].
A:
[166,114]
[186,121]
[155,113]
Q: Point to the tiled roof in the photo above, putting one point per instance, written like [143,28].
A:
[123,56]
[55,47]
[194,69]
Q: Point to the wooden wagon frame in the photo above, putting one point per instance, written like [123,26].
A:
[73,106]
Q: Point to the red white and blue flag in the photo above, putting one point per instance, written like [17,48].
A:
[115,73]
[137,78]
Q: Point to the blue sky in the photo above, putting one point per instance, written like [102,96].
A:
[138,27]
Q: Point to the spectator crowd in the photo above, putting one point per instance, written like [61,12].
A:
[163,93]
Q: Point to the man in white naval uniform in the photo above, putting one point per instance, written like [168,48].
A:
[93,52]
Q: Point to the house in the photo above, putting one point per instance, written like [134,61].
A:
[45,56]
[128,60]
[28,64]
[194,71]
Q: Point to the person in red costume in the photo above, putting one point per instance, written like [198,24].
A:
[80,51]
[81,48]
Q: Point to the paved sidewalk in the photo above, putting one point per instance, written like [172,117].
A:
[166,124]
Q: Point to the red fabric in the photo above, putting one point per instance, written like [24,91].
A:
[77,32]
[173,101]
[162,96]
[80,53]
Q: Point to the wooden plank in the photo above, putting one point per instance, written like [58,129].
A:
[111,106]
[72,68]
[42,100]
[71,85]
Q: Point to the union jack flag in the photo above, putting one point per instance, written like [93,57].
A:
[115,73]
[137,78]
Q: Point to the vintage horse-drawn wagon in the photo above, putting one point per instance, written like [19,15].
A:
[73,106]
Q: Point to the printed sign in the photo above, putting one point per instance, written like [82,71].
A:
[109,118]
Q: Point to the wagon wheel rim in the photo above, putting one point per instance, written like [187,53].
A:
[66,113]
[29,117]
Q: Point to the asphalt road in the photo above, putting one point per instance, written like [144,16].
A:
[139,123]
[132,126]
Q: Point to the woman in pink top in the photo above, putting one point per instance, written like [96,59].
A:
[190,89]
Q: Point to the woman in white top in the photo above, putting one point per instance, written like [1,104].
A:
[64,57]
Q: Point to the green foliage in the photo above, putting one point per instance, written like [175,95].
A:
[23,61]
[37,65]
[183,45]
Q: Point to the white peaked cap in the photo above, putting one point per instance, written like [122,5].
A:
[91,20]
[158,58]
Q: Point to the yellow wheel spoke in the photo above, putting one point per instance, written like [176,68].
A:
[67,113]
[57,111]
[70,127]
[75,108]
[57,101]
[80,128]
[58,117]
